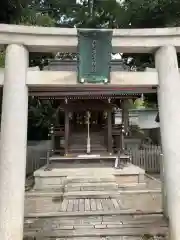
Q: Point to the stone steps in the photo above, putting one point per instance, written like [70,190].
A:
[96,227]
[90,183]
[84,151]
[54,192]
[79,147]
[89,232]
[90,179]
[99,144]
[91,194]
[78,143]
[97,238]
[84,143]
[91,186]
[84,140]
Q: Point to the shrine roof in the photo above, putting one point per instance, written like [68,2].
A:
[96,93]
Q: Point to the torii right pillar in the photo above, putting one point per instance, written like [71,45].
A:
[169,110]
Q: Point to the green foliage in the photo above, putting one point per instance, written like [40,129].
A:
[42,113]
[152,13]
[31,17]
[105,14]
[2,59]
[11,10]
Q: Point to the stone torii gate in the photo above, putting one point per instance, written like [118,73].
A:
[20,40]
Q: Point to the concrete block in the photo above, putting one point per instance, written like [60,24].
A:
[127,179]
[101,226]
[141,178]
[113,225]
[89,226]
[48,182]
[70,227]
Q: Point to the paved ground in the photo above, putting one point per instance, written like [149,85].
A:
[135,202]
[105,238]
[82,227]
[153,182]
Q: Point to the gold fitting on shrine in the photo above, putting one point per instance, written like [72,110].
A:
[82,80]
[105,80]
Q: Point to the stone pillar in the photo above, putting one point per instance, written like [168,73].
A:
[169,99]
[13,143]
[163,187]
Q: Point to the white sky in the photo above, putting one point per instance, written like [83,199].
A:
[116,56]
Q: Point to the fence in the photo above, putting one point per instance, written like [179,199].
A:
[148,158]
[36,155]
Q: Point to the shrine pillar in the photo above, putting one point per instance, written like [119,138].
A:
[109,123]
[125,114]
[13,143]
[66,131]
[168,100]
[113,117]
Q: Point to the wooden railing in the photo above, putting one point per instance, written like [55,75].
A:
[148,158]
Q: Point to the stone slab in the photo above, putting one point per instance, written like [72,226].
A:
[100,238]
[126,231]
[90,213]
[99,172]
[62,176]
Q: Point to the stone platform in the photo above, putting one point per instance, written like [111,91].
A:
[86,202]
[87,177]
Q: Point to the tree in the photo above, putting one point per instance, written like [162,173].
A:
[11,10]
[31,17]
[97,14]
[151,13]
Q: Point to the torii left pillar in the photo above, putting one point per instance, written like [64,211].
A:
[13,143]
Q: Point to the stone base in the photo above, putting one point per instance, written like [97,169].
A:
[86,177]
[130,175]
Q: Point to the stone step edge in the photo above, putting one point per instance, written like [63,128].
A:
[37,193]
[90,180]
[101,232]
[92,213]
[87,184]
[118,220]
[110,184]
